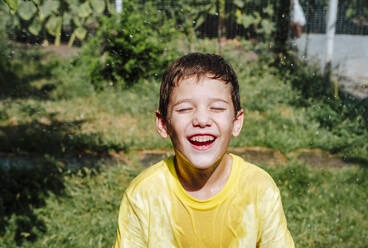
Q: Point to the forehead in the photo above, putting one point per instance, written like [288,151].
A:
[204,87]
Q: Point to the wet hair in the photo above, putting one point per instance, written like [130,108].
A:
[197,64]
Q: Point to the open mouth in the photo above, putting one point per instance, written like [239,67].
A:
[202,141]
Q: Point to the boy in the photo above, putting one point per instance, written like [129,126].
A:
[203,196]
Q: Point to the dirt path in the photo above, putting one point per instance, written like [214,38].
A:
[266,156]
[258,155]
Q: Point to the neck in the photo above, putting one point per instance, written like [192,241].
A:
[203,183]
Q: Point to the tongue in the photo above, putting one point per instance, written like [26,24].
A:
[197,143]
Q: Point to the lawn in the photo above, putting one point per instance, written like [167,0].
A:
[55,112]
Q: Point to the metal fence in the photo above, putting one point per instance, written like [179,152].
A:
[316,13]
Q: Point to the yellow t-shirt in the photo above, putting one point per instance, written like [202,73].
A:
[156,211]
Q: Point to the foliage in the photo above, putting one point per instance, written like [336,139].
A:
[188,19]
[357,15]
[256,16]
[75,17]
[253,19]
[12,4]
[129,47]
[345,117]
[283,110]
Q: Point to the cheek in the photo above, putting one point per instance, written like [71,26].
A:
[225,124]
[177,128]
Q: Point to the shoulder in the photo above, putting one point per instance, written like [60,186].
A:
[252,176]
[151,179]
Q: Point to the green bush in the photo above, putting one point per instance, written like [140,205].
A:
[345,116]
[129,47]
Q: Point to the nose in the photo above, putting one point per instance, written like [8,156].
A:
[201,118]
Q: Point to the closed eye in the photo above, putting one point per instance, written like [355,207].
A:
[183,110]
[218,109]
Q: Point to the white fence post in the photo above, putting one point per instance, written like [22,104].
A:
[330,32]
[330,29]
[119,6]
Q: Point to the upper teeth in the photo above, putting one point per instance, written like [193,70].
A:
[202,138]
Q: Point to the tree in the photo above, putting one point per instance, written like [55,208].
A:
[282,10]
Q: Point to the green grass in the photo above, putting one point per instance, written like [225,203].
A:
[53,112]
[324,208]
[72,117]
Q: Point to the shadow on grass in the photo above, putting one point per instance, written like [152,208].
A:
[18,71]
[22,190]
[42,148]
[53,137]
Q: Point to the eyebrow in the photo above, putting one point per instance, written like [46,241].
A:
[189,100]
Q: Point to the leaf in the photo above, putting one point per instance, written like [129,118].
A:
[200,20]
[110,7]
[268,10]
[98,5]
[26,10]
[239,3]
[48,8]
[84,10]
[72,2]
[67,19]
[80,32]
[238,14]
[349,13]
[12,4]
[77,21]
[246,20]
[90,20]
[212,9]
[35,27]
[267,26]
[36,2]
[53,24]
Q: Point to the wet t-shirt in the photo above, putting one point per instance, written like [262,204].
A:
[156,211]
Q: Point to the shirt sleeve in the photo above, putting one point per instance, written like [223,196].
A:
[273,228]
[130,231]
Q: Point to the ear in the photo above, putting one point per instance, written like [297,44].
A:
[161,125]
[238,123]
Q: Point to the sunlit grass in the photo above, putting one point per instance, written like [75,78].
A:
[324,207]
[277,115]
[63,114]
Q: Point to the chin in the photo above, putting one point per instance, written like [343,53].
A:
[203,161]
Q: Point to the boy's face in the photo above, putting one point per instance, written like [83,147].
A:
[200,120]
